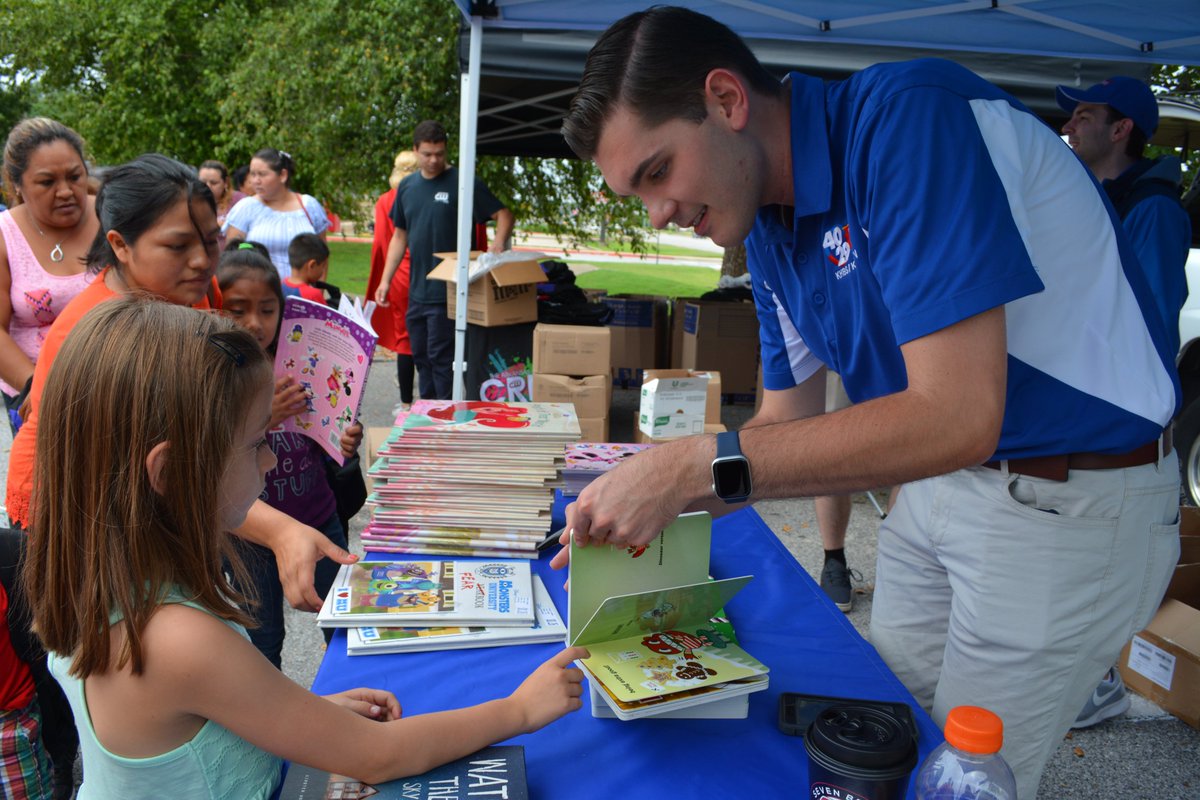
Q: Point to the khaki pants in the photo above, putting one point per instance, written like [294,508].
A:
[1017,593]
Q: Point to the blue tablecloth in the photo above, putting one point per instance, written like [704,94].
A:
[782,617]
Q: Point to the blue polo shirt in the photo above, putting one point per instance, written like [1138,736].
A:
[923,196]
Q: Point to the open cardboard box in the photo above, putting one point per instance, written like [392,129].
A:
[504,295]
[1162,662]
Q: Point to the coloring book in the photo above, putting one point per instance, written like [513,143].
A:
[428,592]
[329,354]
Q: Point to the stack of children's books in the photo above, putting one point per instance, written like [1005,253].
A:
[652,621]
[409,606]
[587,461]
[471,478]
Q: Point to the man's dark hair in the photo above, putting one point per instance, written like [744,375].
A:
[429,131]
[656,62]
[307,247]
[1135,145]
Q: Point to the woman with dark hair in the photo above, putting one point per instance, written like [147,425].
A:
[276,213]
[216,178]
[43,237]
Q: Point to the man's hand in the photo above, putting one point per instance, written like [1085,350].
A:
[631,504]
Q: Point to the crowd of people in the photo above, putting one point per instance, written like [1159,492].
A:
[1033,456]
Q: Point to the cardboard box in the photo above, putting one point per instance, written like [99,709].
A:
[499,363]
[505,295]
[641,438]
[639,335]
[593,429]
[672,407]
[591,395]
[712,402]
[571,349]
[722,337]
[677,305]
[1162,662]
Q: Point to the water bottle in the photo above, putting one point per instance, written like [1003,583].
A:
[968,766]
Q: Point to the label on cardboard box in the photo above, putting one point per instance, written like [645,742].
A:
[1153,663]
[630,312]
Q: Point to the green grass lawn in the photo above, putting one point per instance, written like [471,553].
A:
[350,265]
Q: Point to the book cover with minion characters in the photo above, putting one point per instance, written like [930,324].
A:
[430,592]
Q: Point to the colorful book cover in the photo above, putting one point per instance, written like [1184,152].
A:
[599,456]
[429,592]
[329,355]
[497,419]
[494,772]
[548,626]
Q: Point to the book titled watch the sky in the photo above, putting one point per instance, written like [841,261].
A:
[494,772]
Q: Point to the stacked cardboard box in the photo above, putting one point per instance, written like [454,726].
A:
[502,295]
[571,365]
[678,402]
[639,336]
[722,336]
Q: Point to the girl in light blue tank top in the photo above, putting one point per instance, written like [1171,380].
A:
[158,452]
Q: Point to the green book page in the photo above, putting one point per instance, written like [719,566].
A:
[661,609]
[675,660]
[676,557]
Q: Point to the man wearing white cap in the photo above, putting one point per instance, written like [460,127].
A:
[1110,125]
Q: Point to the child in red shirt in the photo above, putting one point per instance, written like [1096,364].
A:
[309,257]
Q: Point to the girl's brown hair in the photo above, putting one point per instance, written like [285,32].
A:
[135,372]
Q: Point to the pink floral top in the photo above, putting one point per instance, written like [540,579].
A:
[37,297]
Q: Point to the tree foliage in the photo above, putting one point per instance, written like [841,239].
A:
[338,85]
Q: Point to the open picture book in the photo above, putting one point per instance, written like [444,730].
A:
[646,616]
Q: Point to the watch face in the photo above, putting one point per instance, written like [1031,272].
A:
[731,478]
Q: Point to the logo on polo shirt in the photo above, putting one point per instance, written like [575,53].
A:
[840,251]
[442,197]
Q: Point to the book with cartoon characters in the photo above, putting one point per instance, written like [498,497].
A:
[586,461]
[493,772]
[548,627]
[328,353]
[646,615]
[425,592]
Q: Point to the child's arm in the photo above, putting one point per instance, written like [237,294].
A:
[287,401]
[213,673]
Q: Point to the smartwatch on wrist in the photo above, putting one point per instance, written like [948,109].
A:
[731,470]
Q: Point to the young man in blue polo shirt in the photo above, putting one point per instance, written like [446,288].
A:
[918,231]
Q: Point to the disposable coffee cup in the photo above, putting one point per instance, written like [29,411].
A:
[859,753]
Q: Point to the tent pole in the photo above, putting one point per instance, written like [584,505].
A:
[468,123]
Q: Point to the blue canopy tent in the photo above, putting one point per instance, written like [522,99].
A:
[527,55]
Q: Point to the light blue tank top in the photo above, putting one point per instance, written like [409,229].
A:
[216,764]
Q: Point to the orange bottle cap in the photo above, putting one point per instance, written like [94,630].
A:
[974,729]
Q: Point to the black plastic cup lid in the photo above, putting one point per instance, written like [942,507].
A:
[861,742]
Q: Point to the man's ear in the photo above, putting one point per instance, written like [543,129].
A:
[156,465]
[1122,129]
[727,97]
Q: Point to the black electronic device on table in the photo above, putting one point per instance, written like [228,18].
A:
[797,711]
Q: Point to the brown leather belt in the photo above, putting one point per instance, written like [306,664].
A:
[1055,468]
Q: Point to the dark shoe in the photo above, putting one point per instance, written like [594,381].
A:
[835,582]
[1108,700]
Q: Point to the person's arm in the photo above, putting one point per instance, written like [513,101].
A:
[15,366]
[207,670]
[395,252]
[504,227]
[948,417]
[297,548]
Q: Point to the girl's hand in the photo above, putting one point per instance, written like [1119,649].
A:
[288,400]
[351,439]
[376,704]
[554,689]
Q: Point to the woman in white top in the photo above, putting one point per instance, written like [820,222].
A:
[43,238]
[275,214]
